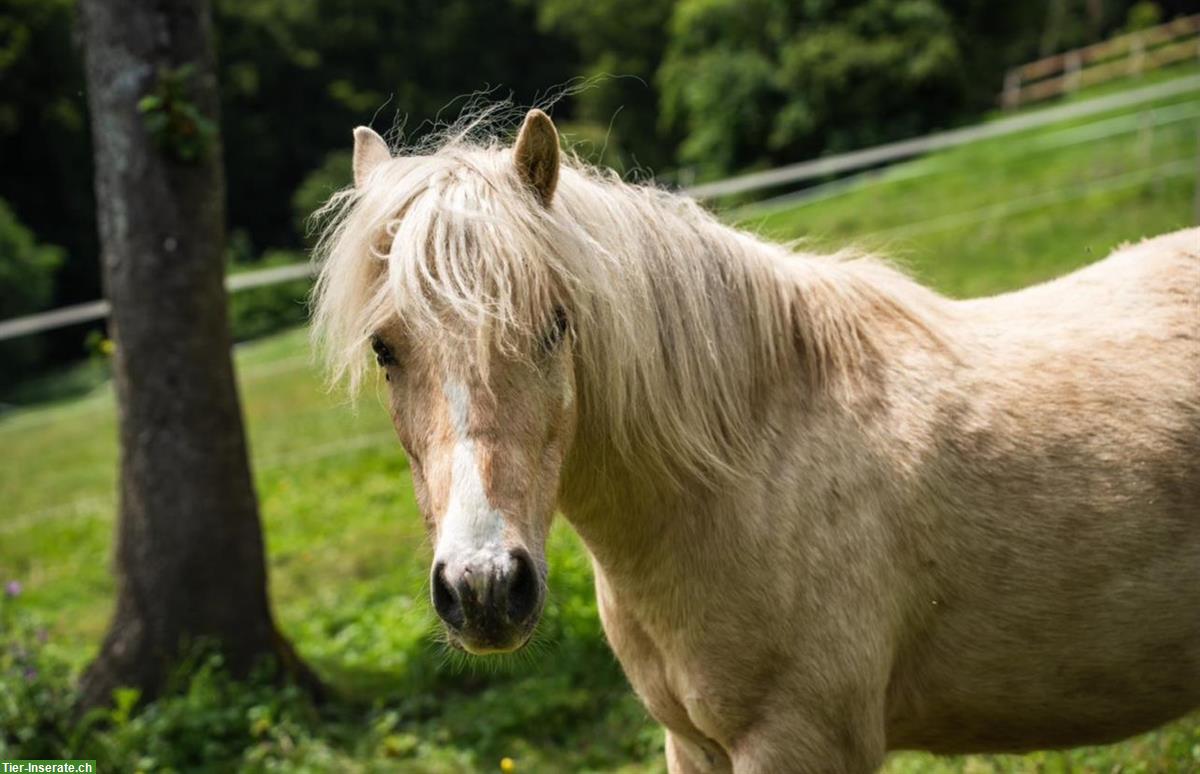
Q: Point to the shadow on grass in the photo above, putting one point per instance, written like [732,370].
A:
[60,386]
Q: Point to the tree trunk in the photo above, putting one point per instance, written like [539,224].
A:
[189,554]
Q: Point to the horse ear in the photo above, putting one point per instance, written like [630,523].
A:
[369,152]
[536,154]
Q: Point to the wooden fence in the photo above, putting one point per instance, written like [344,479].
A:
[1122,56]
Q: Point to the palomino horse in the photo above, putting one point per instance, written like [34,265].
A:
[831,513]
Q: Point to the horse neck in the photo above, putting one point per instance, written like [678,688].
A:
[820,394]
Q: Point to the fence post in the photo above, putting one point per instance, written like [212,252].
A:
[1137,55]
[1074,65]
[1012,89]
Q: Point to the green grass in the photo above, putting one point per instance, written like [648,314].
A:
[1001,214]
[348,556]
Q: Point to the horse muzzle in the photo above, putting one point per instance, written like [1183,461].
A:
[489,604]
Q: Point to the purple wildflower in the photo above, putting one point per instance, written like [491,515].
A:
[30,674]
[12,588]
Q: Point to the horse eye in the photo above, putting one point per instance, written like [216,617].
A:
[556,332]
[383,353]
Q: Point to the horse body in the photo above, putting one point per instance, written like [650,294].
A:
[994,548]
[1070,507]
[830,513]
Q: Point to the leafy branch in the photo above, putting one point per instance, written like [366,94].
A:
[177,125]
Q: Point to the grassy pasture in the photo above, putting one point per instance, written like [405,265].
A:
[347,552]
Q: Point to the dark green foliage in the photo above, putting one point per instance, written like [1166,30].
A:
[26,285]
[1142,15]
[58,384]
[333,174]
[621,45]
[296,78]
[36,692]
[177,125]
[26,267]
[756,81]
[45,155]
[270,308]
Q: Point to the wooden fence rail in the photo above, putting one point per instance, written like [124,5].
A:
[1130,54]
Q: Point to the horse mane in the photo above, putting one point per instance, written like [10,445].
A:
[678,321]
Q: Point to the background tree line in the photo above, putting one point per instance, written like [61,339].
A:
[693,89]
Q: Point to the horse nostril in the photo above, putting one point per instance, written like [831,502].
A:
[445,599]
[523,588]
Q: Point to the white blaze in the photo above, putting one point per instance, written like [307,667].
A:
[471,532]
